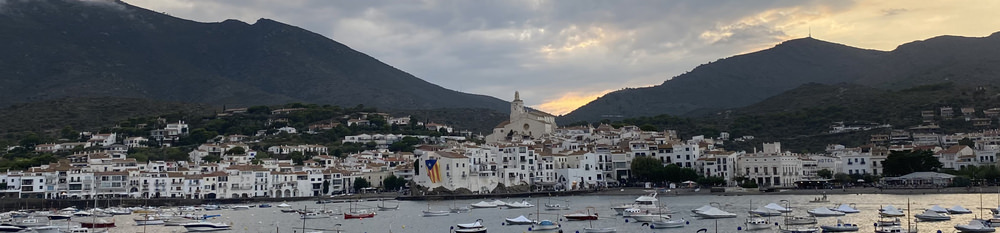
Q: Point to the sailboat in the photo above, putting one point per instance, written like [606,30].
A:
[786,228]
[359,213]
[544,225]
[897,228]
[383,207]
[593,229]
[757,222]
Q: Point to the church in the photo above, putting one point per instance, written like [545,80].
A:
[523,125]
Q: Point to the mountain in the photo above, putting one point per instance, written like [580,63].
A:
[67,48]
[89,113]
[749,78]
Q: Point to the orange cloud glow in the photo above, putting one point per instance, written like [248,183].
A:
[569,102]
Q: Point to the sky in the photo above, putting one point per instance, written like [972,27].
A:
[562,54]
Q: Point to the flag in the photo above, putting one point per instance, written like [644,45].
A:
[433,171]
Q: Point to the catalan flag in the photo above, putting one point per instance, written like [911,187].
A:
[433,171]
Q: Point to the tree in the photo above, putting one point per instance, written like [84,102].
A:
[393,183]
[905,162]
[326,186]
[647,169]
[825,173]
[211,158]
[360,183]
[68,133]
[843,178]
[239,150]
[967,142]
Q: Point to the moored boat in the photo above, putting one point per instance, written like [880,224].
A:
[519,220]
[841,226]
[205,226]
[435,213]
[976,225]
[931,215]
[824,212]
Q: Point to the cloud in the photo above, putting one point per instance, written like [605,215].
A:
[569,101]
[893,11]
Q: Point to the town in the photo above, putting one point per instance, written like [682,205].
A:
[526,153]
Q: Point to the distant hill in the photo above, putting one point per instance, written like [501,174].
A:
[749,78]
[58,49]
[89,113]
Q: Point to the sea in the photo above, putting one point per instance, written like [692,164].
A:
[409,218]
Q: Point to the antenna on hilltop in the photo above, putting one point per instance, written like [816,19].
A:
[810,32]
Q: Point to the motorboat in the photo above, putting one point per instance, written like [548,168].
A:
[313,215]
[520,204]
[599,230]
[205,226]
[976,225]
[459,209]
[544,226]
[264,205]
[939,209]
[890,211]
[800,220]
[556,206]
[178,221]
[957,209]
[477,224]
[46,229]
[761,211]
[757,223]
[666,223]
[931,215]
[98,223]
[647,217]
[702,208]
[29,222]
[241,207]
[289,211]
[284,205]
[435,213]
[840,227]
[8,228]
[715,213]
[845,208]
[580,216]
[483,204]
[149,220]
[888,222]
[519,220]
[801,230]
[642,202]
[359,214]
[85,230]
[894,229]
[824,212]
[118,211]
[481,229]
[777,207]
[59,216]
[82,213]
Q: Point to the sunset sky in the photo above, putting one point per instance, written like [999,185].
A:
[563,54]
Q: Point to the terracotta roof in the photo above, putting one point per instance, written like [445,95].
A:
[447,154]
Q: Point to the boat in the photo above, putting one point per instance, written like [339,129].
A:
[702,208]
[59,216]
[648,217]
[939,209]
[98,223]
[777,207]
[757,223]
[118,211]
[893,229]
[888,222]
[265,205]
[459,209]
[975,225]
[363,214]
[477,224]
[205,226]
[957,209]
[520,204]
[761,211]
[847,209]
[383,207]
[544,226]
[313,215]
[821,199]
[665,223]
[890,211]
[481,229]
[45,229]
[8,228]
[642,202]
[483,204]
[435,213]
[800,220]
[519,220]
[555,206]
[284,205]
[580,216]
[840,227]
[82,214]
[289,211]
[241,207]
[85,230]
[324,201]
[28,222]
[715,213]
[149,220]
[824,212]
[599,230]
[931,215]
[178,221]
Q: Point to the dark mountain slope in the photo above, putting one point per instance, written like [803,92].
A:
[66,48]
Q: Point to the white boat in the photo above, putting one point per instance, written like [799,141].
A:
[957,209]
[840,227]
[890,211]
[649,217]
[765,212]
[555,206]
[544,226]
[284,205]
[939,209]
[894,229]
[702,208]
[519,220]
[205,226]
[976,225]
[931,215]
[600,230]
[483,204]
[824,212]
[847,209]
[642,202]
[800,220]
[777,207]
[313,215]
[715,213]
[148,220]
[178,221]
[8,228]
[435,213]
[821,199]
[666,223]
[46,229]
[29,222]
[459,209]
[888,222]
[481,229]
[84,230]
[241,207]
[801,230]
[477,224]
[757,223]
[520,204]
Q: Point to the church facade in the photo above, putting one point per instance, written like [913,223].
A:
[523,125]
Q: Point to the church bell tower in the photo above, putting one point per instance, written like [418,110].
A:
[516,107]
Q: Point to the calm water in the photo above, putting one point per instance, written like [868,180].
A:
[409,218]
